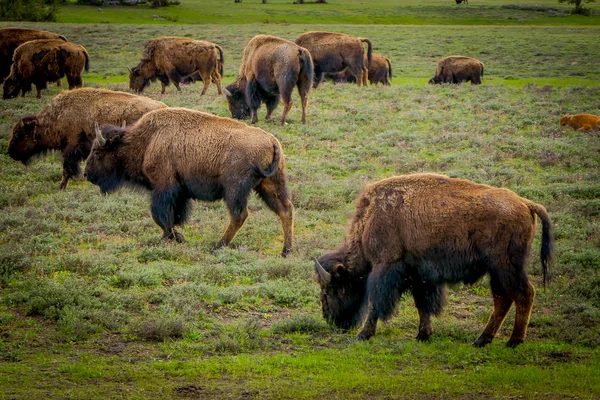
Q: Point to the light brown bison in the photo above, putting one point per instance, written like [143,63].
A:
[380,71]
[11,38]
[334,52]
[458,69]
[270,69]
[581,122]
[420,232]
[67,125]
[182,154]
[45,60]
[178,60]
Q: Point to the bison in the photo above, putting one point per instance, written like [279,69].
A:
[269,70]
[66,124]
[45,60]
[458,69]
[334,52]
[180,154]
[11,38]
[581,122]
[178,60]
[380,71]
[420,232]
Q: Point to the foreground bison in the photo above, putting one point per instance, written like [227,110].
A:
[270,69]
[419,232]
[11,38]
[178,60]
[67,125]
[46,60]
[380,71]
[334,52]
[581,122]
[181,154]
[458,69]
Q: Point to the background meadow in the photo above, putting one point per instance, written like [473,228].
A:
[93,304]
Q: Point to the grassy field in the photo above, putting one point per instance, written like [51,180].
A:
[93,304]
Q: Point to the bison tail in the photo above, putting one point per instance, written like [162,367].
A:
[389,67]
[221,59]
[307,69]
[274,166]
[547,240]
[87,61]
[369,50]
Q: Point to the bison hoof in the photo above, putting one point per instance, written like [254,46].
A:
[285,252]
[364,336]
[512,343]
[423,337]
[481,342]
[176,236]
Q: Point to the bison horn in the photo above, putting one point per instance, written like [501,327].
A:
[101,140]
[130,71]
[227,93]
[325,276]
[21,124]
[123,124]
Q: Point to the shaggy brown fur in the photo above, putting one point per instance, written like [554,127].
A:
[182,154]
[46,60]
[419,232]
[380,71]
[581,122]
[458,69]
[270,69]
[333,52]
[177,60]
[11,38]
[67,125]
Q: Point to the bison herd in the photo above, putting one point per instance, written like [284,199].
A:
[413,233]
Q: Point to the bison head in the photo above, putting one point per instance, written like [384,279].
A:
[236,100]
[102,166]
[25,142]
[136,81]
[564,121]
[342,295]
[11,88]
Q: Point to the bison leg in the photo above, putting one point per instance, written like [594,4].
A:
[365,75]
[303,89]
[524,304]
[71,159]
[501,307]
[216,78]
[163,211]
[275,195]
[74,81]
[236,199]
[237,218]
[174,77]
[271,103]
[384,288]
[429,300]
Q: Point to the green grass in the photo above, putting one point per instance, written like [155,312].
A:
[93,304]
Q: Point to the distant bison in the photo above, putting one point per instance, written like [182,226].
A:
[46,60]
[420,232]
[581,122]
[334,52]
[66,125]
[458,69]
[178,60]
[182,154]
[270,69]
[380,71]
[11,38]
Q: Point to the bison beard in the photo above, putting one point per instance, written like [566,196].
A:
[420,232]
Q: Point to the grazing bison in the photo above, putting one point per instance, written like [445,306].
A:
[45,60]
[380,71]
[334,52]
[178,60]
[419,232]
[458,69]
[581,122]
[11,38]
[66,125]
[182,154]
[270,69]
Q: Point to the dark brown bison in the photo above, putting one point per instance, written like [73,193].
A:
[420,232]
[270,69]
[182,154]
[334,52]
[11,38]
[458,69]
[45,60]
[67,125]
[380,71]
[178,60]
